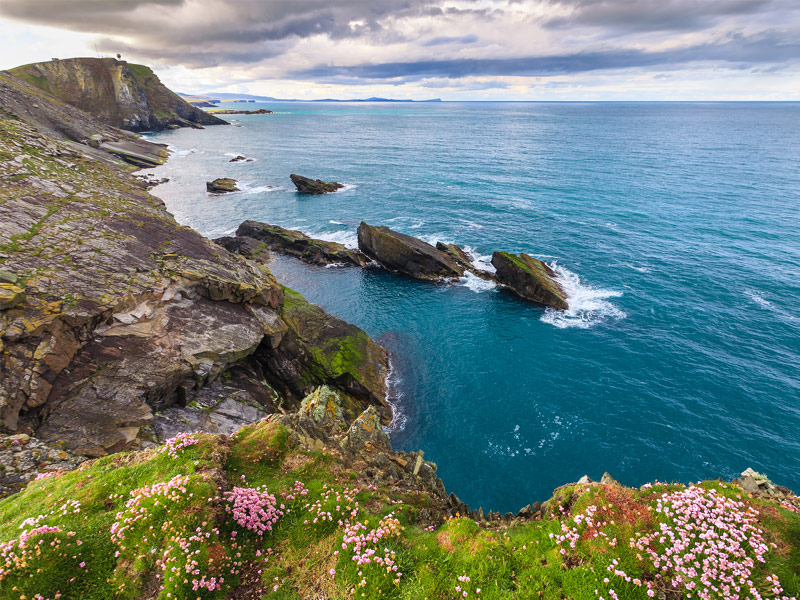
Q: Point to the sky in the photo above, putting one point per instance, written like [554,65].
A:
[451,49]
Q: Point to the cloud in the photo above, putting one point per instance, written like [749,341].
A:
[656,15]
[768,47]
[442,40]
[465,45]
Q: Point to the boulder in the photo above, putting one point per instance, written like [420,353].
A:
[10,296]
[323,407]
[530,278]
[366,434]
[296,243]
[8,277]
[406,254]
[222,186]
[305,185]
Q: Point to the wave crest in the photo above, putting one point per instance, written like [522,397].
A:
[587,305]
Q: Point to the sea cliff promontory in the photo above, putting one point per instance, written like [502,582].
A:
[177,424]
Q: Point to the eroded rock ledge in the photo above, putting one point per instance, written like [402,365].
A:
[124,317]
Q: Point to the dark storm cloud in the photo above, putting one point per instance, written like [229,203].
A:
[737,51]
[659,15]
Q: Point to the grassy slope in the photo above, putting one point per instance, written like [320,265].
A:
[300,552]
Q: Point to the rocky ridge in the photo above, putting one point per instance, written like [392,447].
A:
[296,243]
[123,95]
[126,314]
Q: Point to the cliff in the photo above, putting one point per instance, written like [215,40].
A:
[113,317]
[305,505]
[124,95]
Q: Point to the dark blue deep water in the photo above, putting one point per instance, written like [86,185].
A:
[676,231]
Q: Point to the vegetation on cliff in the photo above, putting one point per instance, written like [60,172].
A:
[301,507]
[121,94]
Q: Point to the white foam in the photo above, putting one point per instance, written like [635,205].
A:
[394,397]
[638,268]
[587,305]
[344,236]
[476,284]
[332,222]
[419,223]
[480,261]
[759,300]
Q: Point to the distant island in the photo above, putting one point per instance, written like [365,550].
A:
[212,98]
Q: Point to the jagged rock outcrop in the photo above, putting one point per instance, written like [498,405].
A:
[305,185]
[246,246]
[120,94]
[296,243]
[81,133]
[127,316]
[411,256]
[231,111]
[529,278]
[222,185]
[318,348]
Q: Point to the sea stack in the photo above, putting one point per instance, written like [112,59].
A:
[411,256]
[305,185]
[529,278]
[223,185]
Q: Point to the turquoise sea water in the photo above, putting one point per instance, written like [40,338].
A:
[676,231]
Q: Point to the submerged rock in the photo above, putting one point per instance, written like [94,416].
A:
[222,186]
[400,252]
[530,278]
[240,158]
[296,243]
[305,185]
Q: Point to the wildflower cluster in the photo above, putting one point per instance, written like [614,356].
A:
[254,508]
[463,587]
[332,509]
[707,544]
[364,546]
[22,561]
[174,446]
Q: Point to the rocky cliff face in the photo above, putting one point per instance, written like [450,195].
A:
[120,94]
[120,317]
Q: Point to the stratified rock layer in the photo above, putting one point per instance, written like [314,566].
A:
[120,94]
[400,252]
[128,318]
[530,278]
[296,243]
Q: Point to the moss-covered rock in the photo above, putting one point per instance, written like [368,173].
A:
[296,243]
[411,256]
[530,278]
[222,185]
[305,185]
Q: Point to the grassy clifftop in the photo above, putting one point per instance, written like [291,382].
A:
[123,95]
[262,515]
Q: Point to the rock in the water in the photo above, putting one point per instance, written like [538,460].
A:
[10,296]
[305,185]
[530,278]
[222,186]
[463,260]
[296,243]
[406,254]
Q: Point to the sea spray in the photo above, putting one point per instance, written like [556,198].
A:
[587,305]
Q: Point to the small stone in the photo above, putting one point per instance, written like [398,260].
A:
[585,480]
[8,277]
[607,479]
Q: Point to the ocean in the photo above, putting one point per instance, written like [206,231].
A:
[674,228]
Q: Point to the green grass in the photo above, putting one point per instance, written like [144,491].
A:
[521,562]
